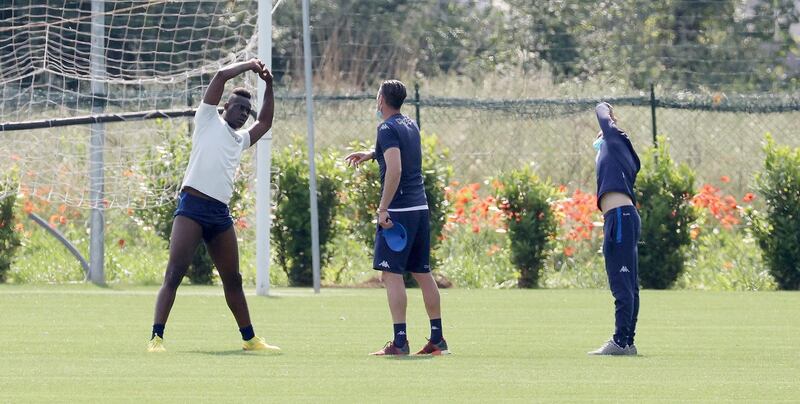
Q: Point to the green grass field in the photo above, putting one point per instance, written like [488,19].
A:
[79,343]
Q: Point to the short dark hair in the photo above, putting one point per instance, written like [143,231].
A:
[242,92]
[394,93]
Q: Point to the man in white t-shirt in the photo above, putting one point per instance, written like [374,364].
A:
[217,145]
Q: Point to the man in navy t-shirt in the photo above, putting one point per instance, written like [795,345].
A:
[398,150]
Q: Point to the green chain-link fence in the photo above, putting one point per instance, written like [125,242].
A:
[716,135]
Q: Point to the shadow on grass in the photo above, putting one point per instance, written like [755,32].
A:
[237,352]
[407,357]
[626,357]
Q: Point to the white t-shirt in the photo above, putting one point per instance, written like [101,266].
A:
[216,152]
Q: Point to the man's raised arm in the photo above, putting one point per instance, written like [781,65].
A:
[217,86]
[264,120]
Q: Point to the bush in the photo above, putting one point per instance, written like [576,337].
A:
[9,235]
[777,231]
[364,193]
[577,259]
[532,223]
[474,243]
[291,230]
[664,193]
[163,176]
[725,260]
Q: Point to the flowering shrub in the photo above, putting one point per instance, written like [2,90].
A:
[291,229]
[664,193]
[579,217]
[777,229]
[525,201]
[468,208]
[722,256]
[9,230]
[474,242]
[723,210]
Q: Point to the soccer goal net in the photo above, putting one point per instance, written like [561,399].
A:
[147,56]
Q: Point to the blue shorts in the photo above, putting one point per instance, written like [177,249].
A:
[212,215]
[416,256]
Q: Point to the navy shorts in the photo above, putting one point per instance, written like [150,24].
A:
[212,215]
[416,256]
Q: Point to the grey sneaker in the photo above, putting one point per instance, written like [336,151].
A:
[611,348]
[632,350]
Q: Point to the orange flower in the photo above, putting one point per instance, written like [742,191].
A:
[53,220]
[62,208]
[749,197]
[731,202]
[62,220]
[569,251]
[121,243]
[694,233]
[476,228]
[19,227]
[29,208]
[725,179]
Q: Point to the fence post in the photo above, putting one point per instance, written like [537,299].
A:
[96,144]
[653,113]
[416,103]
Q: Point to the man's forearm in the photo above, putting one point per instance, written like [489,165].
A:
[265,115]
[234,69]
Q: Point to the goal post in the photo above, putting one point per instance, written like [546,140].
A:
[263,160]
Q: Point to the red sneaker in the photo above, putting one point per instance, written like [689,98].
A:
[390,349]
[430,348]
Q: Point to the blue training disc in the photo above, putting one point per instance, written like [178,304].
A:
[396,237]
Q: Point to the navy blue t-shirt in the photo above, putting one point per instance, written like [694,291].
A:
[617,162]
[402,132]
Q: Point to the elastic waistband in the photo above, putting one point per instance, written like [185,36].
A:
[621,209]
[410,209]
[209,201]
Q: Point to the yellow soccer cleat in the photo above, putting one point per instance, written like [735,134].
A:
[258,344]
[156,345]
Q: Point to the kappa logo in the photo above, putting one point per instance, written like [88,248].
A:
[401,333]
[405,121]
[624,269]
[384,264]
[384,127]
